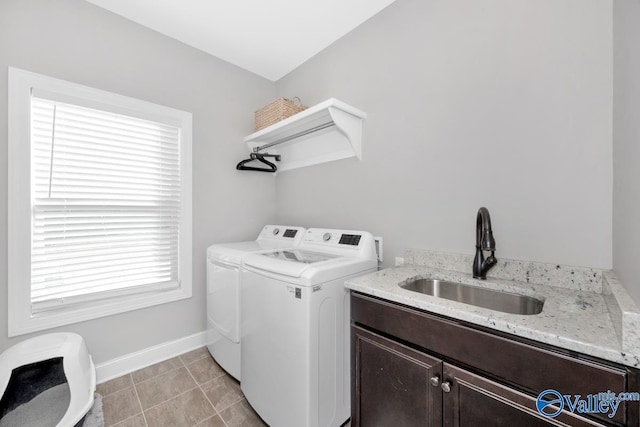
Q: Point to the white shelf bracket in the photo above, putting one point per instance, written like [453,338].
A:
[350,128]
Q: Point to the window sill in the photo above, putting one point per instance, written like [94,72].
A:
[25,323]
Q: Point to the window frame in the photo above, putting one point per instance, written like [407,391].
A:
[21,320]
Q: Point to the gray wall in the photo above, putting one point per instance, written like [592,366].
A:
[76,41]
[626,144]
[498,103]
[502,103]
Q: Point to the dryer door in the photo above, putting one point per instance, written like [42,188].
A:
[223,298]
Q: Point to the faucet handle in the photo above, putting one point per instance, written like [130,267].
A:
[491,260]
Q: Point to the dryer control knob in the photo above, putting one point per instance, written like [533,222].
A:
[326,237]
[276,231]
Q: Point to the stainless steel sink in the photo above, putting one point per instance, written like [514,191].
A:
[505,302]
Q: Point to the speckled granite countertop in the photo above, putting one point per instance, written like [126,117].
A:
[603,323]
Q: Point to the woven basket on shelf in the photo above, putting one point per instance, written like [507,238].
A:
[276,111]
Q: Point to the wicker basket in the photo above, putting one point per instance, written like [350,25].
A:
[276,111]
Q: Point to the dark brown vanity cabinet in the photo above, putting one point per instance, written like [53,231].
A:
[412,368]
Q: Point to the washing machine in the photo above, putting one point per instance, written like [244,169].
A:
[223,290]
[295,327]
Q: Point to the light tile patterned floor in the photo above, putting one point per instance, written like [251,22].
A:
[188,390]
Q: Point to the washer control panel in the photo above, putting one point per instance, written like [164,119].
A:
[333,237]
[344,242]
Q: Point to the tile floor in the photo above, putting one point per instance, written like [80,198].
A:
[188,390]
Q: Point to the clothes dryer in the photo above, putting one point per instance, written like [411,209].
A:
[295,327]
[223,290]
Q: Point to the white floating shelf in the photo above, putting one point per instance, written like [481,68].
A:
[331,130]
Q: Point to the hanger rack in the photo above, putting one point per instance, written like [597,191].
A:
[294,136]
[256,155]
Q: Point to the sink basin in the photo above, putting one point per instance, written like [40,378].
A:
[505,302]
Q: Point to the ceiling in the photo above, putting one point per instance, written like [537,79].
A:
[267,37]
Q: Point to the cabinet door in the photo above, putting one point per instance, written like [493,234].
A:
[392,384]
[476,401]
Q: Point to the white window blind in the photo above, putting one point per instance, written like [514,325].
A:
[105,196]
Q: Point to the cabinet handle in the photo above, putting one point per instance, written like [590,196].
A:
[435,380]
[446,386]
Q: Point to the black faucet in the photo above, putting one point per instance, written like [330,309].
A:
[484,242]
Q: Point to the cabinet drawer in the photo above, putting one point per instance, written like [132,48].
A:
[527,367]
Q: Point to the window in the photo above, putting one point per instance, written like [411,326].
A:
[99,203]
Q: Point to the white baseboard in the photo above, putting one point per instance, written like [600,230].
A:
[148,356]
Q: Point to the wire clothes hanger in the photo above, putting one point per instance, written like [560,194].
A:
[261,158]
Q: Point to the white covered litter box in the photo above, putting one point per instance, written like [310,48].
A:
[49,380]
